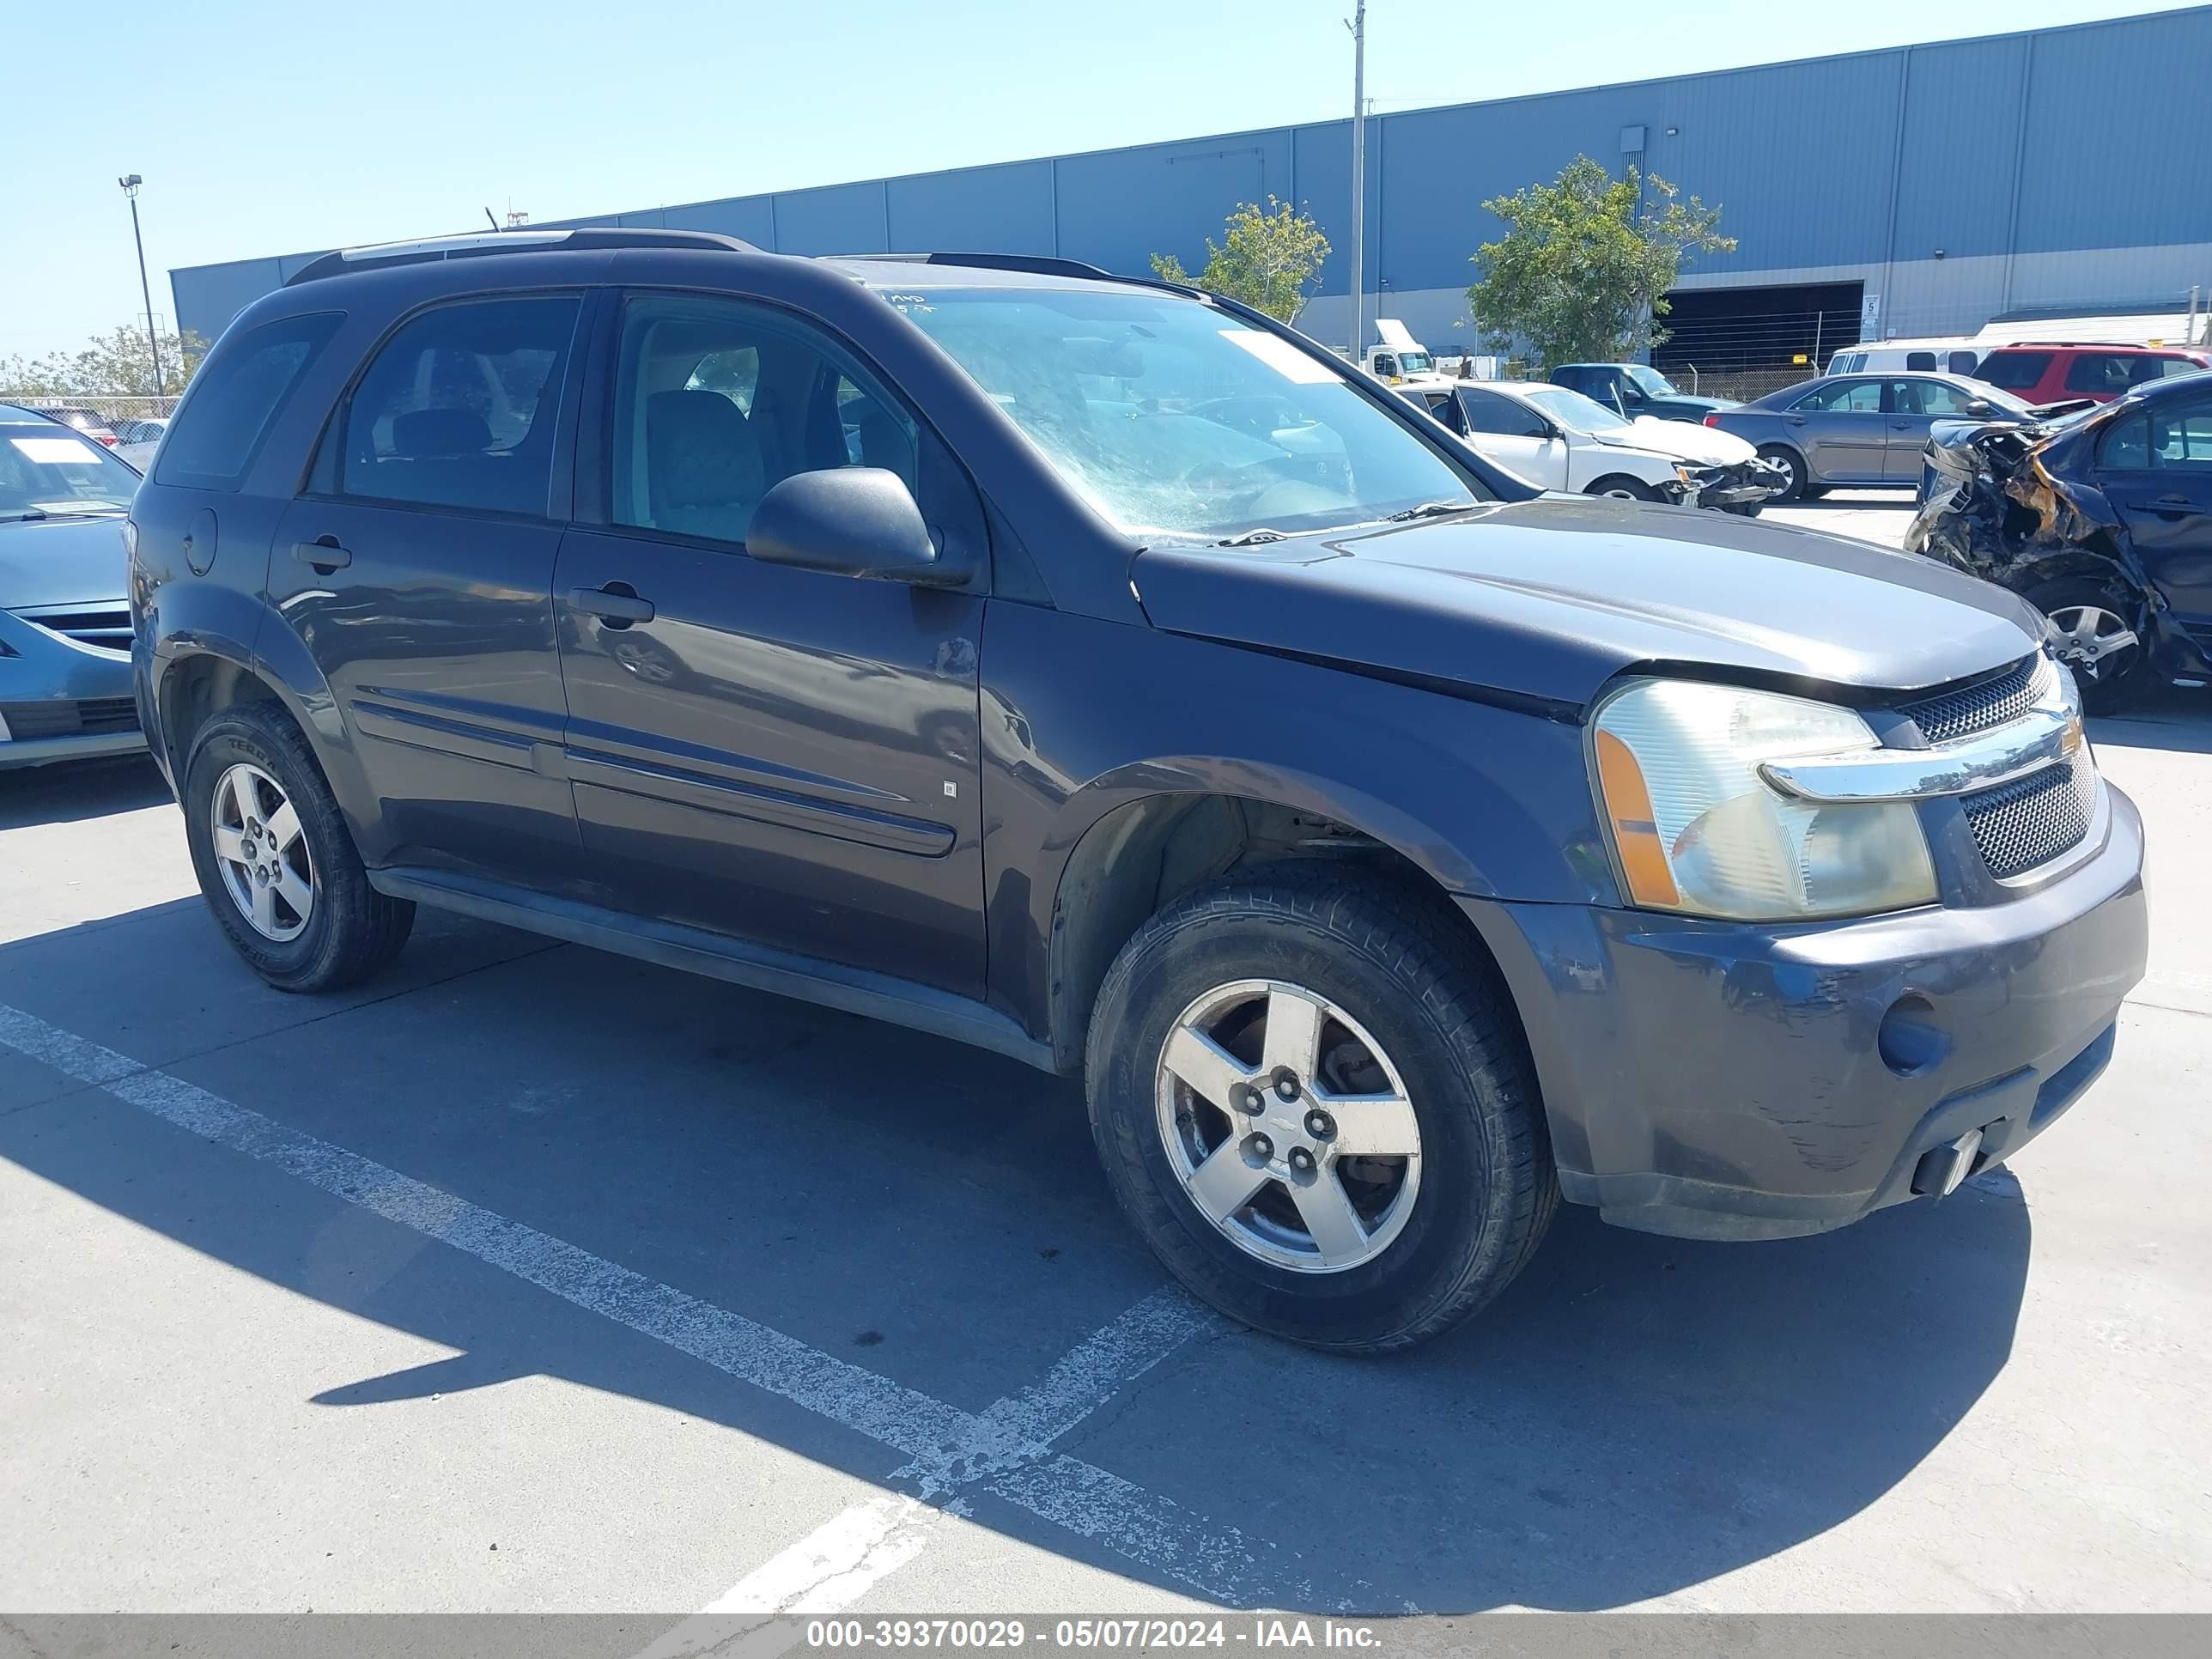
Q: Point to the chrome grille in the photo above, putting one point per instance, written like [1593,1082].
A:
[107,624]
[2033,820]
[1983,707]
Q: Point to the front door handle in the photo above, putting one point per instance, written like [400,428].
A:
[324,553]
[1794,420]
[2174,507]
[617,604]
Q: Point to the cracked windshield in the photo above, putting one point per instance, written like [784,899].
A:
[1176,422]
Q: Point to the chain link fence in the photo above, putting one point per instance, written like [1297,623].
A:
[108,409]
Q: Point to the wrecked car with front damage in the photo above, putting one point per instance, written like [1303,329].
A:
[2100,518]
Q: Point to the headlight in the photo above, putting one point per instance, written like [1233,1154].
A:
[1696,828]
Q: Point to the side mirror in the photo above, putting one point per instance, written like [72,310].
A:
[849,521]
[1981,408]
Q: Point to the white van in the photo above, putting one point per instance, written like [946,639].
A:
[1953,355]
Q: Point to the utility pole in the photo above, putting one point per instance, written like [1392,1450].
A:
[1358,24]
[130,183]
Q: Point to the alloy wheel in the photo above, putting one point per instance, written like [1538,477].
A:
[1288,1127]
[2098,645]
[262,854]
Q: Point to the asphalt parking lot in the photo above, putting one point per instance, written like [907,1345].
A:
[532,1277]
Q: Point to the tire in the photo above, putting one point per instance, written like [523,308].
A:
[257,758]
[1801,487]
[1621,487]
[1381,957]
[2119,678]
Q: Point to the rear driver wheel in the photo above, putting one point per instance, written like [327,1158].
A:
[276,861]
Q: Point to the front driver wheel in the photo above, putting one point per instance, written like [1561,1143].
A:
[2095,640]
[1622,488]
[1313,1101]
[276,861]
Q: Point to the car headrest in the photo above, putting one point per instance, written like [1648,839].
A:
[701,451]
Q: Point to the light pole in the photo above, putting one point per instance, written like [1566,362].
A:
[1358,25]
[130,181]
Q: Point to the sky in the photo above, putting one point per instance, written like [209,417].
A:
[270,126]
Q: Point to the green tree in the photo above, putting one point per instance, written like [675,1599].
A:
[1583,270]
[112,365]
[1265,259]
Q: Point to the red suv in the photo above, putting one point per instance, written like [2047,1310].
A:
[2044,373]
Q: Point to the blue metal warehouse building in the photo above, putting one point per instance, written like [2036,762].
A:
[1916,190]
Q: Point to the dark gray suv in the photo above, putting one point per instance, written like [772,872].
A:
[1097,671]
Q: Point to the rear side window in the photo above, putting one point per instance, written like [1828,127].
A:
[1920,360]
[2015,371]
[236,398]
[457,409]
[2111,371]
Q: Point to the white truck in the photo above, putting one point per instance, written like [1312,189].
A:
[1402,362]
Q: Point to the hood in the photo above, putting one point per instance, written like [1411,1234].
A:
[1684,440]
[61,561]
[1679,404]
[1394,334]
[1551,598]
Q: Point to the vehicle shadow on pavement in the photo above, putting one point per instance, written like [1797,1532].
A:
[1635,1416]
[79,791]
[2175,717]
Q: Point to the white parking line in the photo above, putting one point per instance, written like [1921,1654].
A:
[824,1572]
[1005,1451]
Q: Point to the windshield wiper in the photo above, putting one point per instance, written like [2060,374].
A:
[27,513]
[1428,510]
[1256,537]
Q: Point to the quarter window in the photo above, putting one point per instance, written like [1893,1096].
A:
[717,401]
[236,398]
[457,409]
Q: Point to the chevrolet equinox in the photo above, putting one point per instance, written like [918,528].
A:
[1098,671]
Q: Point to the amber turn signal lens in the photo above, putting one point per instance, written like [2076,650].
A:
[1635,830]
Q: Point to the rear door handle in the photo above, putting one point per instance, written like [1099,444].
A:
[324,553]
[2174,507]
[617,604]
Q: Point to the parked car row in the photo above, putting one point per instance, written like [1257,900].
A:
[1096,671]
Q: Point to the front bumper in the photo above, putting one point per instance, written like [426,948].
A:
[1746,483]
[61,700]
[1712,1079]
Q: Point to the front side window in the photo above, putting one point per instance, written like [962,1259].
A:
[716,402]
[1488,411]
[457,409]
[1144,404]
[48,471]
[2015,371]
[2104,371]
[1843,398]
[235,399]
[1934,397]
[1650,381]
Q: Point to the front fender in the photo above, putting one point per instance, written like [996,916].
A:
[1082,718]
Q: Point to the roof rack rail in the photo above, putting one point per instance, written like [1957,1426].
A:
[429,250]
[1044,265]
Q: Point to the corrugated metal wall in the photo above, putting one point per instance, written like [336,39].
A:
[2085,138]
